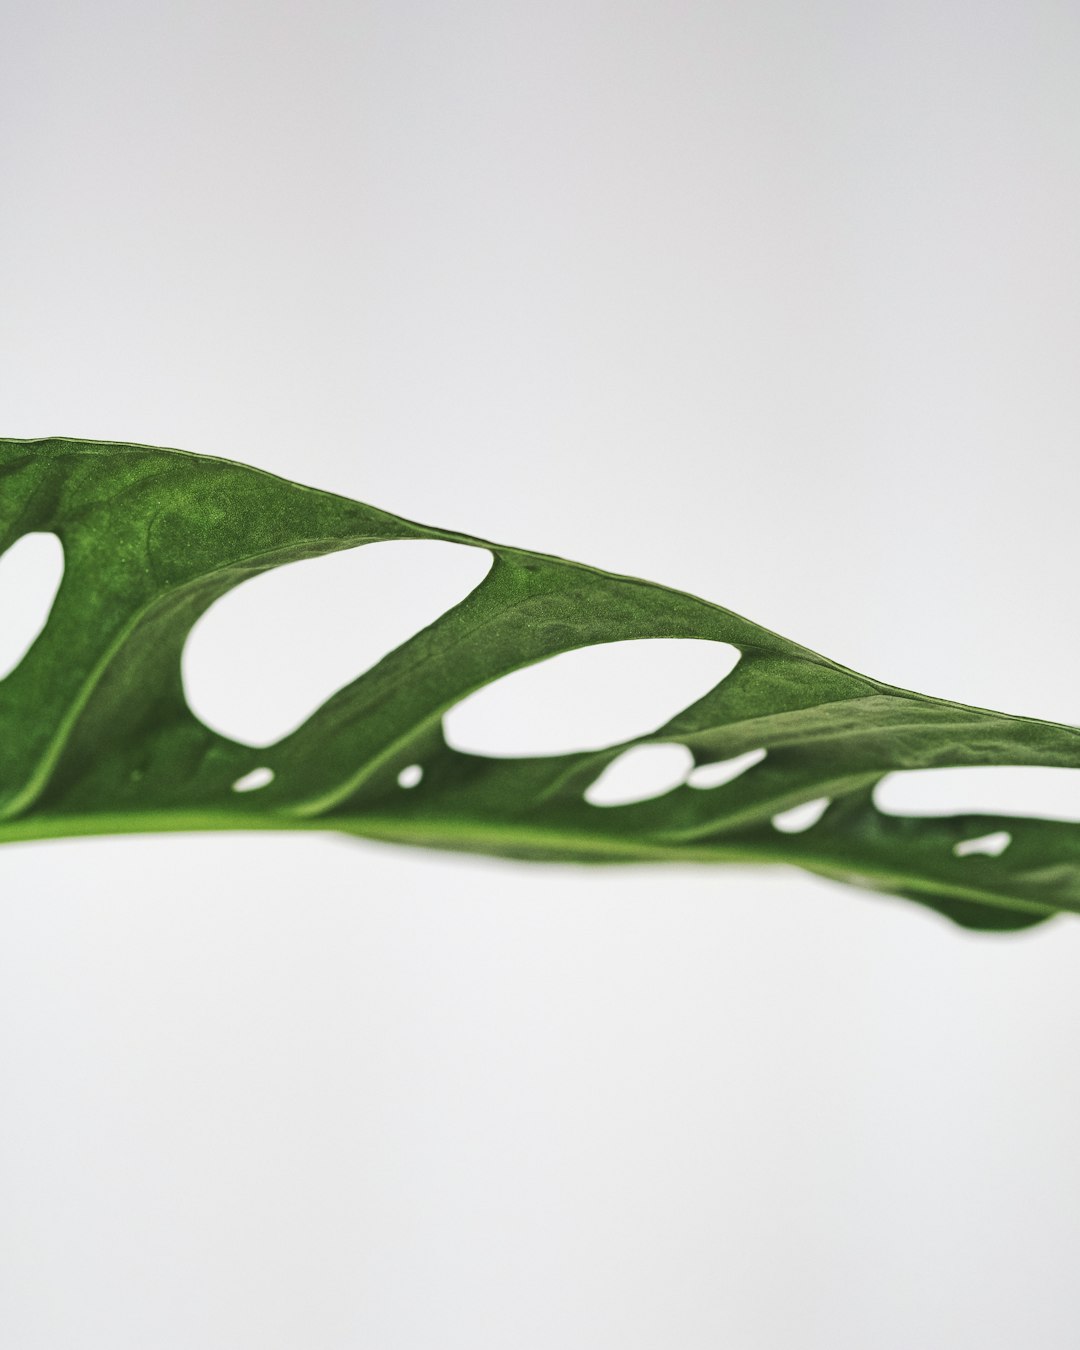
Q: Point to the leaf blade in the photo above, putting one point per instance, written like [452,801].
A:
[95,734]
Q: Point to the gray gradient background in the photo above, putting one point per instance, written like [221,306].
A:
[775,302]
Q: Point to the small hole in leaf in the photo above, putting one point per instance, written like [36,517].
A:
[724,770]
[640,774]
[589,698]
[802,817]
[271,651]
[30,574]
[1037,790]
[257,778]
[410,776]
[992,845]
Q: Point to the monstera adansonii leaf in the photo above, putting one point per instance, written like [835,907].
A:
[96,736]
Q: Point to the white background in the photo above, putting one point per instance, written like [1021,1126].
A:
[774,302]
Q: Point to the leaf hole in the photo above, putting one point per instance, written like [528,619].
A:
[30,574]
[410,776]
[640,774]
[1038,791]
[992,845]
[797,819]
[266,655]
[257,778]
[723,771]
[588,699]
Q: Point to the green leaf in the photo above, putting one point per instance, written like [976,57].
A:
[96,736]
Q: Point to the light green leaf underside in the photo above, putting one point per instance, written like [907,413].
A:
[96,737]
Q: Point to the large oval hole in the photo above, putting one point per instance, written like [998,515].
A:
[588,699]
[266,655]
[30,574]
[984,790]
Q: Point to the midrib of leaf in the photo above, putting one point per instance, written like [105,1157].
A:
[518,841]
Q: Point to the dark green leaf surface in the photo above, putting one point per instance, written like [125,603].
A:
[96,737]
